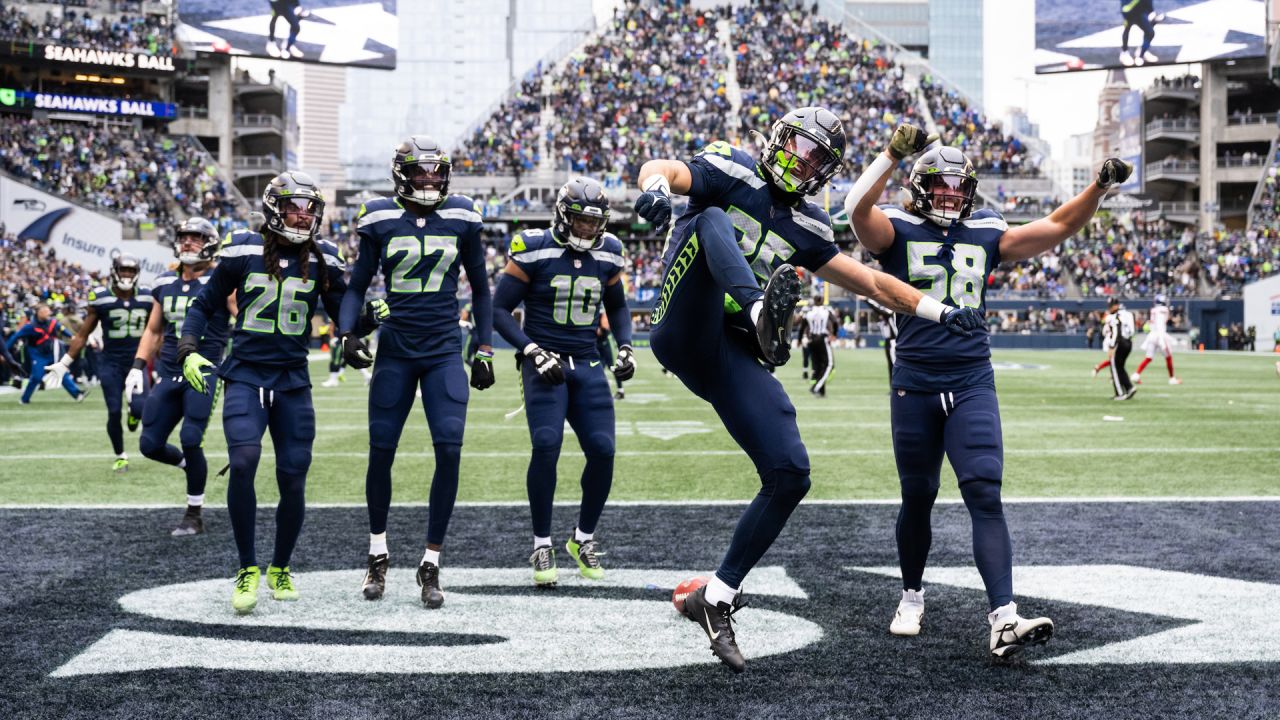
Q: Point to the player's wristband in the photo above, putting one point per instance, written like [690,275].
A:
[530,349]
[931,309]
[485,354]
[139,364]
[657,183]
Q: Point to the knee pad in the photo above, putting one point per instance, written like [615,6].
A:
[293,461]
[150,446]
[191,434]
[786,484]
[546,439]
[982,496]
[244,458]
[713,215]
[598,444]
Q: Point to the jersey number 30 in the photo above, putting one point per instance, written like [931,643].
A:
[960,280]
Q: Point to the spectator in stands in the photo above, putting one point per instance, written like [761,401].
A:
[95,27]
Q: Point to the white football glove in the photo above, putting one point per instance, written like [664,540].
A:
[55,372]
[135,382]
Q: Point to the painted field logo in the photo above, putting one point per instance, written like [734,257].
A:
[572,632]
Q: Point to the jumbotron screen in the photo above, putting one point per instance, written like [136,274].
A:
[1102,34]
[338,32]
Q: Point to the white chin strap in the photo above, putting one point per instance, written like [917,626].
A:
[125,283]
[190,258]
[295,236]
[426,197]
[583,244]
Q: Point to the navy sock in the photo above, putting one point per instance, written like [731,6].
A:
[197,469]
[289,515]
[242,500]
[541,484]
[915,536]
[115,431]
[377,487]
[992,546]
[597,479]
[780,492]
[444,491]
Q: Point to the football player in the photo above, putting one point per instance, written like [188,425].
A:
[562,276]
[418,240]
[1142,14]
[748,223]
[1158,339]
[173,400]
[279,276]
[41,335]
[944,397]
[122,308]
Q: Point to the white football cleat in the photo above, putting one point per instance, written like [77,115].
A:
[273,49]
[1174,381]
[1011,633]
[1095,373]
[1136,378]
[331,382]
[1149,57]
[1126,59]
[906,621]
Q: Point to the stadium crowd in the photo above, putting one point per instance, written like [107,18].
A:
[113,24]
[143,176]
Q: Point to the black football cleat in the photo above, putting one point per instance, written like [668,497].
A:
[773,327]
[717,622]
[375,578]
[192,523]
[429,581]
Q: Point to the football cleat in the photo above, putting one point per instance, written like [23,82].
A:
[906,621]
[429,581]
[120,466]
[587,553]
[619,395]
[1149,57]
[543,561]
[244,596]
[1135,378]
[133,421]
[375,578]
[1011,633]
[773,327]
[294,51]
[280,580]
[1174,381]
[192,523]
[331,382]
[273,49]
[83,394]
[1126,396]
[1126,59]
[717,622]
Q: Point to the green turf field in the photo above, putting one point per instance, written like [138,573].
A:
[1218,434]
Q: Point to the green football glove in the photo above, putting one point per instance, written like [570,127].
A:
[908,140]
[377,310]
[193,364]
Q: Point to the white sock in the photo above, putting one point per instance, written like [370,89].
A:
[579,536]
[718,591]
[754,311]
[431,556]
[334,375]
[378,543]
[541,542]
[914,597]
[182,464]
[1003,611]
[195,500]
[123,456]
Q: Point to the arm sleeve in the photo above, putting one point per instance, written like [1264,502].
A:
[478,276]
[214,296]
[361,275]
[337,293]
[615,307]
[510,293]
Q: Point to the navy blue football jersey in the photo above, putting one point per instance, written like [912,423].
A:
[122,320]
[769,232]
[566,286]
[950,265]
[272,334]
[174,296]
[420,258]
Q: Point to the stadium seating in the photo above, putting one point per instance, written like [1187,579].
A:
[97,23]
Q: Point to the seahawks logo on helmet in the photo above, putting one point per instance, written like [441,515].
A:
[124,272]
[943,184]
[199,229]
[420,171]
[581,214]
[804,150]
[293,207]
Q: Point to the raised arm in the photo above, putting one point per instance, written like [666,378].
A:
[1029,240]
[870,225]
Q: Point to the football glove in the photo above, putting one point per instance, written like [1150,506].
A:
[908,140]
[625,368]
[375,311]
[194,364]
[1114,171]
[55,372]
[355,352]
[546,363]
[135,382]
[482,370]
[962,321]
[654,204]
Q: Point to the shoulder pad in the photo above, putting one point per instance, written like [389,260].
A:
[611,243]
[897,212]
[243,236]
[142,290]
[459,207]
[526,240]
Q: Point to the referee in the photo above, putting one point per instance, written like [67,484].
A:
[1119,329]
[820,326]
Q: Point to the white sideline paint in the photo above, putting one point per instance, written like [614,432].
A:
[1029,500]
[573,633]
[1236,620]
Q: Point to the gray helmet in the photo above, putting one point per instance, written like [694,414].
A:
[292,192]
[201,228]
[804,150]
[941,174]
[420,171]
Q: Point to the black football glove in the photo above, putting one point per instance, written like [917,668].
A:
[482,370]
[654,206]
[1114,171]
[908,140]
[375,311]
[546,363]
[963,321]
[355,352]
[625,368]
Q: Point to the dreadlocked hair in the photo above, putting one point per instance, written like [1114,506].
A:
[271,259]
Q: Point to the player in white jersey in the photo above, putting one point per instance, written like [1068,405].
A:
[1108,344]
[1158,340]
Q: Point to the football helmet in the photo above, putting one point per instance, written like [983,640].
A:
[420,171]
[200,229]
[293,207]
[581,213]
[943,184]
[805,148]
[124,272]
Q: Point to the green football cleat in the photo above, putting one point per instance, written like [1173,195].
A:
[280,580]
[120,466]
[244,598]
[587,553]
[543,561]
[133,422]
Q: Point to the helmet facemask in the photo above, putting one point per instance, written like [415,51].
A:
[424,183]
[124,275]
[297,219]
[796,162]
[584,227]
[944,197]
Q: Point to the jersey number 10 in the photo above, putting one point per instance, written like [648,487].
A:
[576,299]
[962,282]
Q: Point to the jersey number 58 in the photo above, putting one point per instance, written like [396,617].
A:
[957,283]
